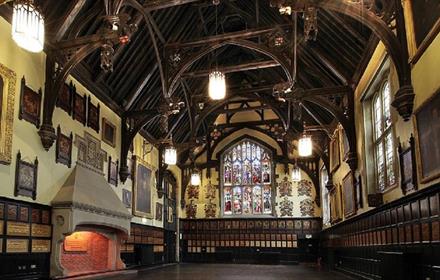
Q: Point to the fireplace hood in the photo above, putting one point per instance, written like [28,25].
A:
[90,200]
[86,201]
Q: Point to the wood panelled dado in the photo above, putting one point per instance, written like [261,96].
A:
[143,236]
[25,239]
[234,239]
[408,228]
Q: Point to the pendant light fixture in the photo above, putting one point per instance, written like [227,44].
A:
[170,153]
[27,26]
[305,145]
[296,173]
[195,177]
[217,79]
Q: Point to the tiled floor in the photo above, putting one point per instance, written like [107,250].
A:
[232,272]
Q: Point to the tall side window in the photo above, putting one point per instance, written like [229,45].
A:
[383,138]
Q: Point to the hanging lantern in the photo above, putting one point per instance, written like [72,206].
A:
[195,178]
[170,155]
[296,174]
[305,146]
[217,85]
[27,26]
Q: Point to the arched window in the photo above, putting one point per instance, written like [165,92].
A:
[247,175]
[383,138]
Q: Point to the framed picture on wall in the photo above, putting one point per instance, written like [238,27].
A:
[345,145]
[335,206]
[108,132]
[113,171]
[79,108]
[7,96]
[64,100]
[93,115]
[143,186]
[427,123]
[408,170]
[126,198]
[359,192]
[159,211]
[30,104]
[63,150]
[26,178]
[349,195]
[335,159]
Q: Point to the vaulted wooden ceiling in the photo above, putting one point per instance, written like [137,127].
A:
[169,32]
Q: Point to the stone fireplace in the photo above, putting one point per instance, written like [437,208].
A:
[89,222]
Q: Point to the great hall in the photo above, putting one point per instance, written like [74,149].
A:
[220,139]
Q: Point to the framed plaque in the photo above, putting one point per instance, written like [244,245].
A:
[30,104]
[18,229]
[93,115]
[63,149]
[79,107]
[40,246]
[74,243]
[26,178]
[41,230]
[17,245]
[64,100]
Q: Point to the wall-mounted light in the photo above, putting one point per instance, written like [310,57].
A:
[27,26]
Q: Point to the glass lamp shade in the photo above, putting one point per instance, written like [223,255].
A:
[170,155]
[195,178]
[296,174]
[305,146]
[217,85]
[27,26]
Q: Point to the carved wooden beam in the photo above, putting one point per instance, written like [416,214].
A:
[85,40]
[130,126]
[245,34]
[234,68]
[163,4]
[68,18]
[244,109]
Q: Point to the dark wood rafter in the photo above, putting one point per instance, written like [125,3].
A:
[145,78]
[396,45]
[130,126]
[210,44]
[232,69]
[55,78]
[67,20]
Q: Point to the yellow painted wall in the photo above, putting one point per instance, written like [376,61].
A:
[51,176]
[426,82]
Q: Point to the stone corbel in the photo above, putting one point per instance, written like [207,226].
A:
[404,101]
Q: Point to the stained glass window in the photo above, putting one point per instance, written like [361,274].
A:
[383,138]
[247,180]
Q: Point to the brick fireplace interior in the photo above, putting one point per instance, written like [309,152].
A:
[85,252]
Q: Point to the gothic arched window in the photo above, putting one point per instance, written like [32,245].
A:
[247,179]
